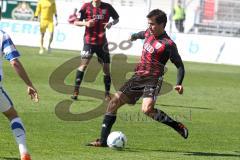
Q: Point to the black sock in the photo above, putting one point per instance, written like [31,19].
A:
[78,80]
[108,121]
[107,82]
[162,117]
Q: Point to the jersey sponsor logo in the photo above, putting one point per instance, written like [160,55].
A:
[148,47]
[104,11]
[158,45]
[98,17]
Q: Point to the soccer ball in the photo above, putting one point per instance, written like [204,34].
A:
[116,140]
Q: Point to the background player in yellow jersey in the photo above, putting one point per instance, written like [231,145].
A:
[46,9]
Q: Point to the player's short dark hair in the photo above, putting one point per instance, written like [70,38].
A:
[160,16]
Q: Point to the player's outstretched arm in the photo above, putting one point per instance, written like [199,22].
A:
[16,64]
[135,36]
[180,77]
[177,60]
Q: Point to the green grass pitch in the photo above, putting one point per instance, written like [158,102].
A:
[209,108]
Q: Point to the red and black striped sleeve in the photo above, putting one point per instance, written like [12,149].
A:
[139,35]
[82,12]
[112,12]
[177,61]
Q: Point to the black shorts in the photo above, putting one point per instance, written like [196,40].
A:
[101,51]
[141,86]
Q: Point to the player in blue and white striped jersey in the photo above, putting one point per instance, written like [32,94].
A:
[9,52]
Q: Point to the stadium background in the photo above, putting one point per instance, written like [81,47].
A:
[211,27]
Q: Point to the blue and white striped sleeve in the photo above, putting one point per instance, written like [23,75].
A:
[9,49]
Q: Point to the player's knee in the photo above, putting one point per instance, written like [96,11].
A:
[147,109]
[82,67]
[113,104]
[106,72]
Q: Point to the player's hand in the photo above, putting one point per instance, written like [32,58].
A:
[179,89]
[107,25]
[56,23]
[131,38]
[33,93]
[35,18]
[90,23]
[72,19]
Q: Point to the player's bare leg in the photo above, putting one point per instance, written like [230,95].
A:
[18,132]
[50,42]
[115,103]
[160,116]
[79,77]
[41,43]
[107,80]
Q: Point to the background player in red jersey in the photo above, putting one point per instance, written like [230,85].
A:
[158,48]
[73,17]
[95,17]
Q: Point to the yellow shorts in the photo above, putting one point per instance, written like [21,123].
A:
[46,25]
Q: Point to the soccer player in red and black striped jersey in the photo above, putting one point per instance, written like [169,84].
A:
[95,16]
[158,48]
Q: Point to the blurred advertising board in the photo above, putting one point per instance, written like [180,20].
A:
[18,9]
